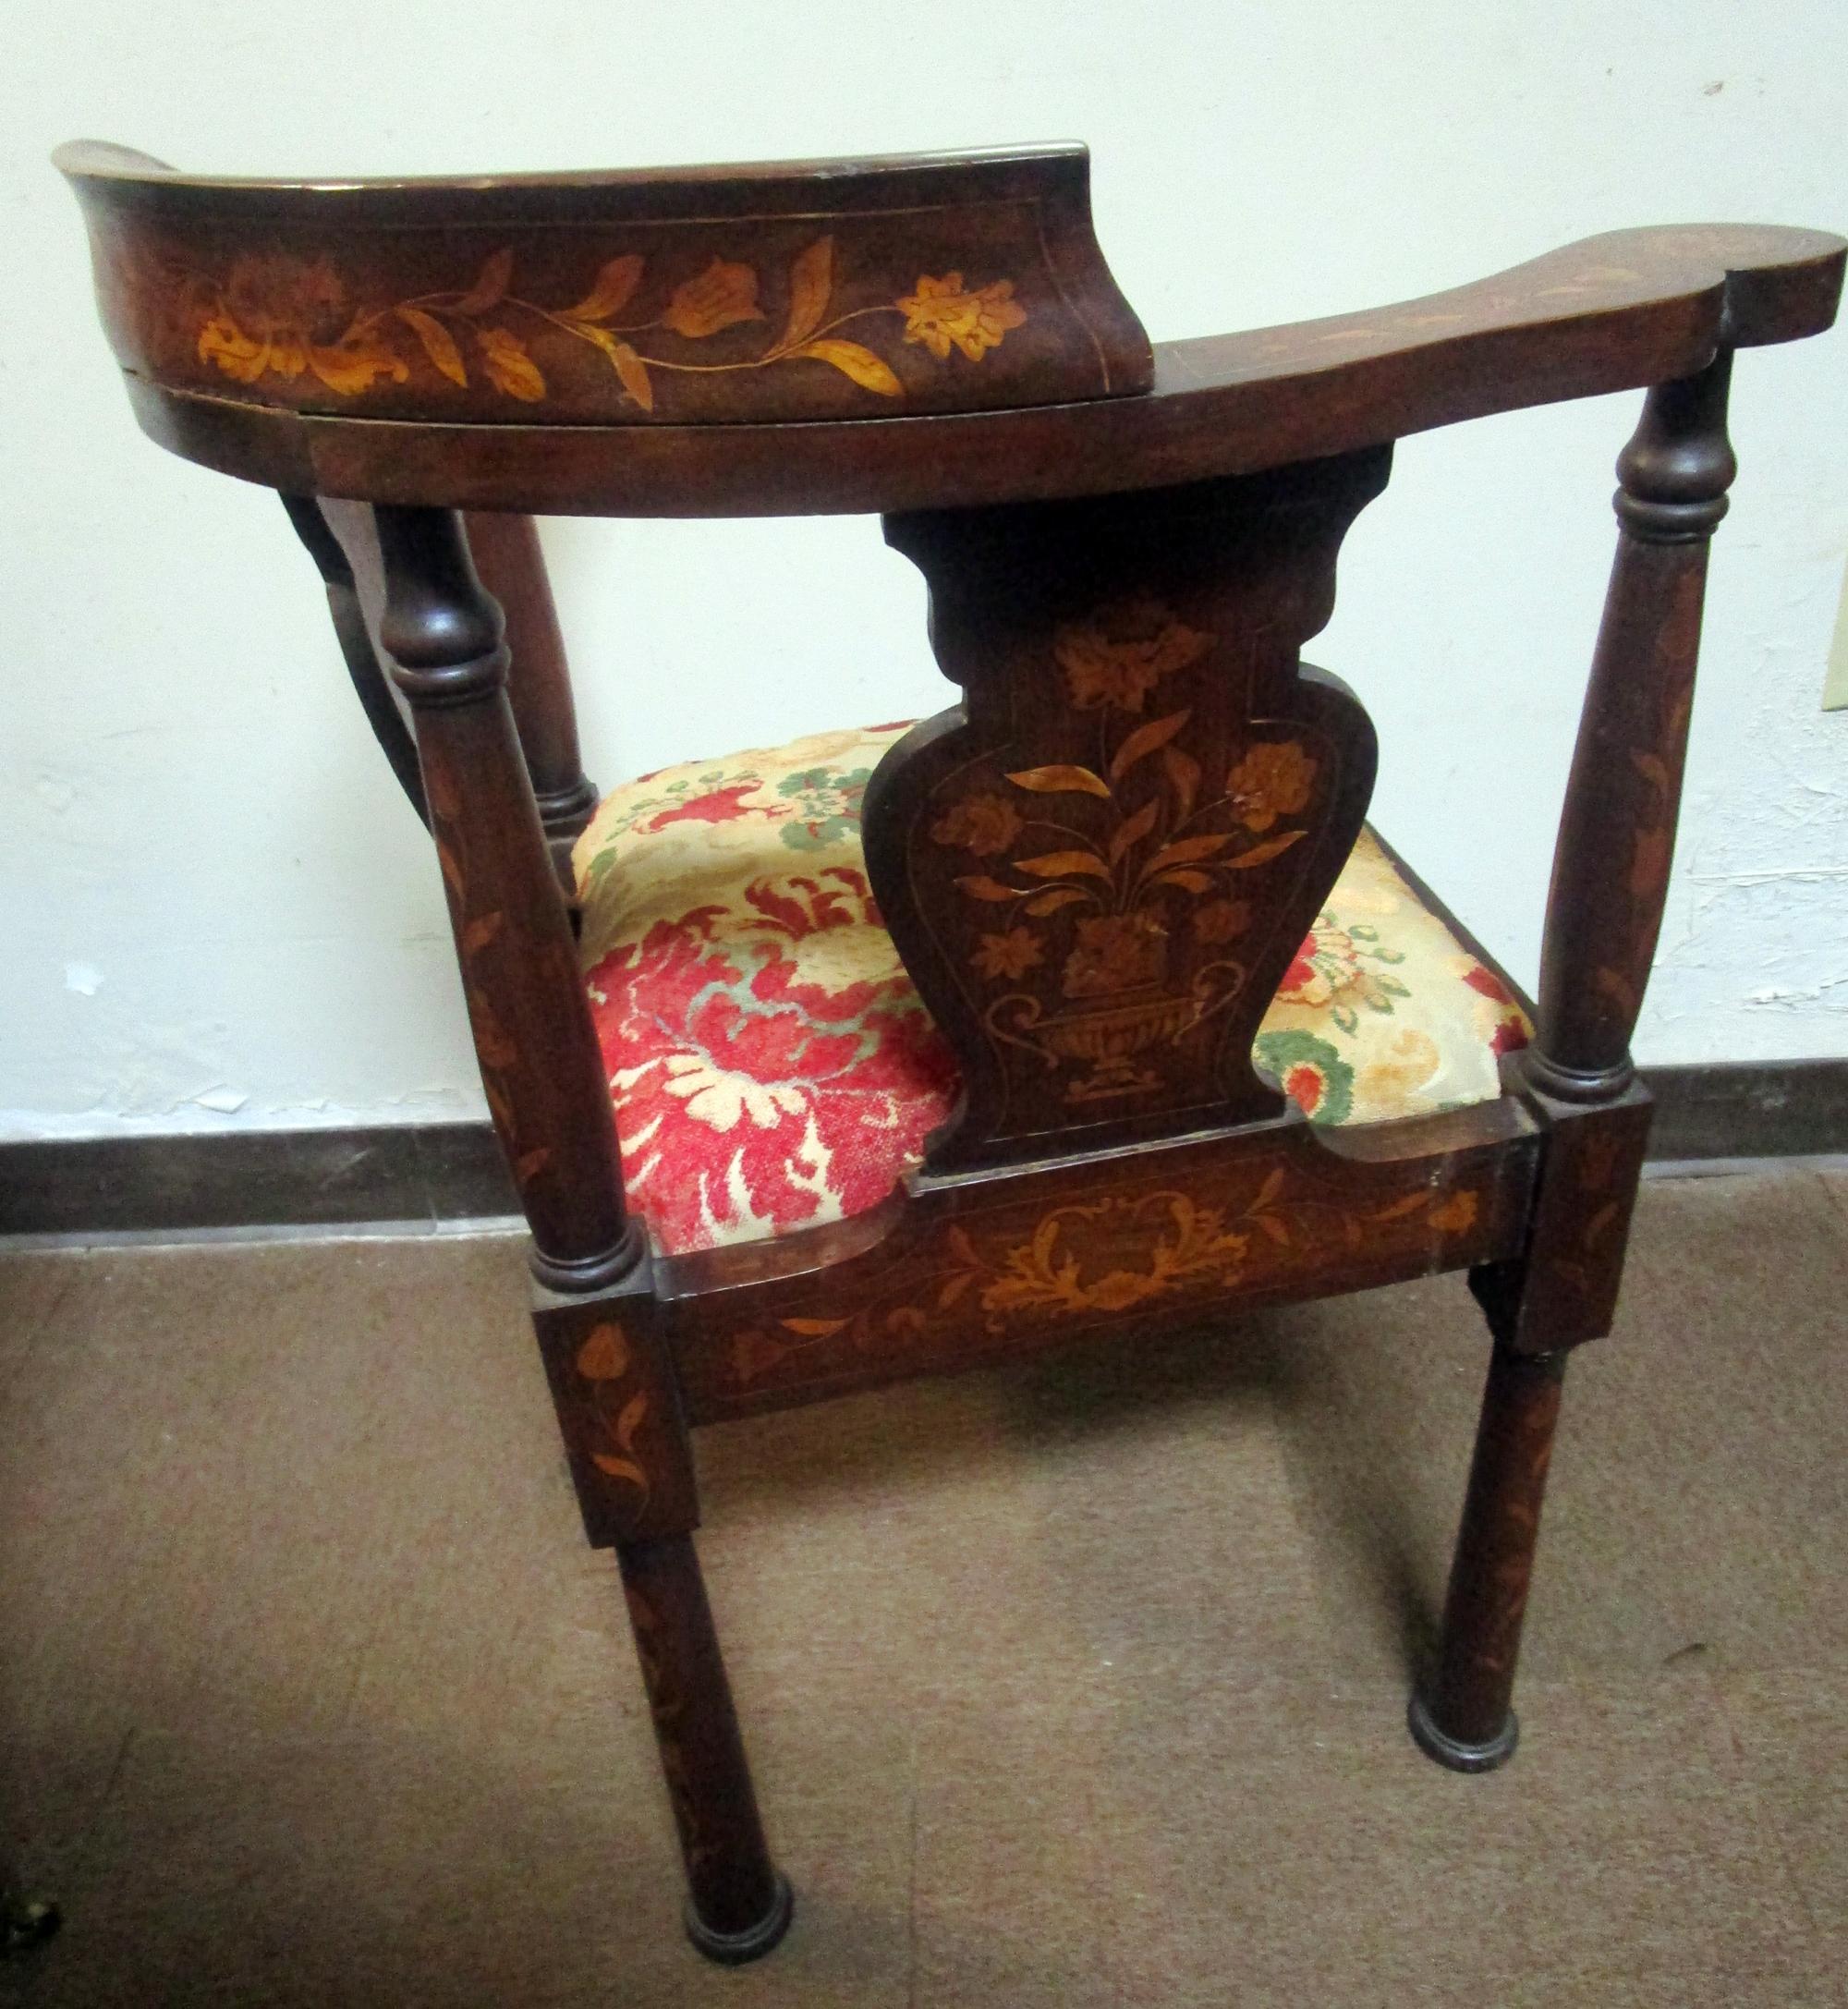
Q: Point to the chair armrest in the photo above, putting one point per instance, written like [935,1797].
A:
[1615,312]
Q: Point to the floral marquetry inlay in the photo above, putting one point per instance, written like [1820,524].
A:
[604,1361]
[1106,858]
[274,315]
[986,1281]
[1113,875]
[766,294]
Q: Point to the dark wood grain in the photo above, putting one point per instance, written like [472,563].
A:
[972,1269]
[1461,1714]
[1094,869]
[617,1399]
[1610,872]
[739,1907]
[1561,327]
[1098,868]
[355,627]
[1616,838]
[512,567]
[1561,1290]
[1604,911]
[763,293]
[538,1054]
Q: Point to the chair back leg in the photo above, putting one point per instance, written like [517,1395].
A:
[738,1904]
[512,566]
[1463,1716]
[617,1395]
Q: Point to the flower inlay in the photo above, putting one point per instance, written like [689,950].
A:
[277,315]
[1127,886]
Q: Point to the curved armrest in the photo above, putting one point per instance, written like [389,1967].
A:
[920,332]
[1617,313]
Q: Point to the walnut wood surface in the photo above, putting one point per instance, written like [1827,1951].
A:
[1131,676]
[1468,1693]
[971,1270]
[1616,838]
[1097,869]
[1562,1289]
[735,1893]
[332,532]
[1615,312]
[808,290]
[618,1401]
[540,1066]
[1610,874]
[512,567]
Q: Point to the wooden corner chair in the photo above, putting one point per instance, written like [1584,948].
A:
[932,1046]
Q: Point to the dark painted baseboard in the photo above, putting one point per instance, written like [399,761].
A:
[1752,1109]
[439,1172]
[420,1171]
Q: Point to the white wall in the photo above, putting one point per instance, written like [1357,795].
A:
[216,909]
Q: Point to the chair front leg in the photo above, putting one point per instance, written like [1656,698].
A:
[739,1905]
[1464,1718]
[611,1378]
[1604,914]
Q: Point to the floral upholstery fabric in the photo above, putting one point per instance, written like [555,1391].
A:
[771,1068]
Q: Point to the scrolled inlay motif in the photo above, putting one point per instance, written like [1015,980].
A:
[980,1282]
[272,314]
[1106,864]
[1102,908]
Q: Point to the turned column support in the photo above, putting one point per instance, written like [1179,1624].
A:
[512,567]
[1616,838]
[612,1377]
[541,1068]
[1604,913]
[1610,873]
[345,603]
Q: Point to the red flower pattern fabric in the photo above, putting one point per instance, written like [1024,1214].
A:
[771,1068]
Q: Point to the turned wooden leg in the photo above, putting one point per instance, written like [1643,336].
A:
[739,1905]
[1461,1716]
[613,1381]
[512,566]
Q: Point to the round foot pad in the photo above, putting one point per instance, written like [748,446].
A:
[733,1949]
[1447,1752]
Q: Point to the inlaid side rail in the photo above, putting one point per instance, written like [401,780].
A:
[1615,312]
[778,292]
[959,1272]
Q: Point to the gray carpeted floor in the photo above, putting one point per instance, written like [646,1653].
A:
[1080,1684]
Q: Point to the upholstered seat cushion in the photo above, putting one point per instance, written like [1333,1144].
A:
[771,1068]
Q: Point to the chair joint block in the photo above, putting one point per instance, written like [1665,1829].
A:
[619,1410]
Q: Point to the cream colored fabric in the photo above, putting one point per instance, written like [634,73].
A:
[771,1068]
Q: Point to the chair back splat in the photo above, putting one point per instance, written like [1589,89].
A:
[1100,867]
[1087,1005]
